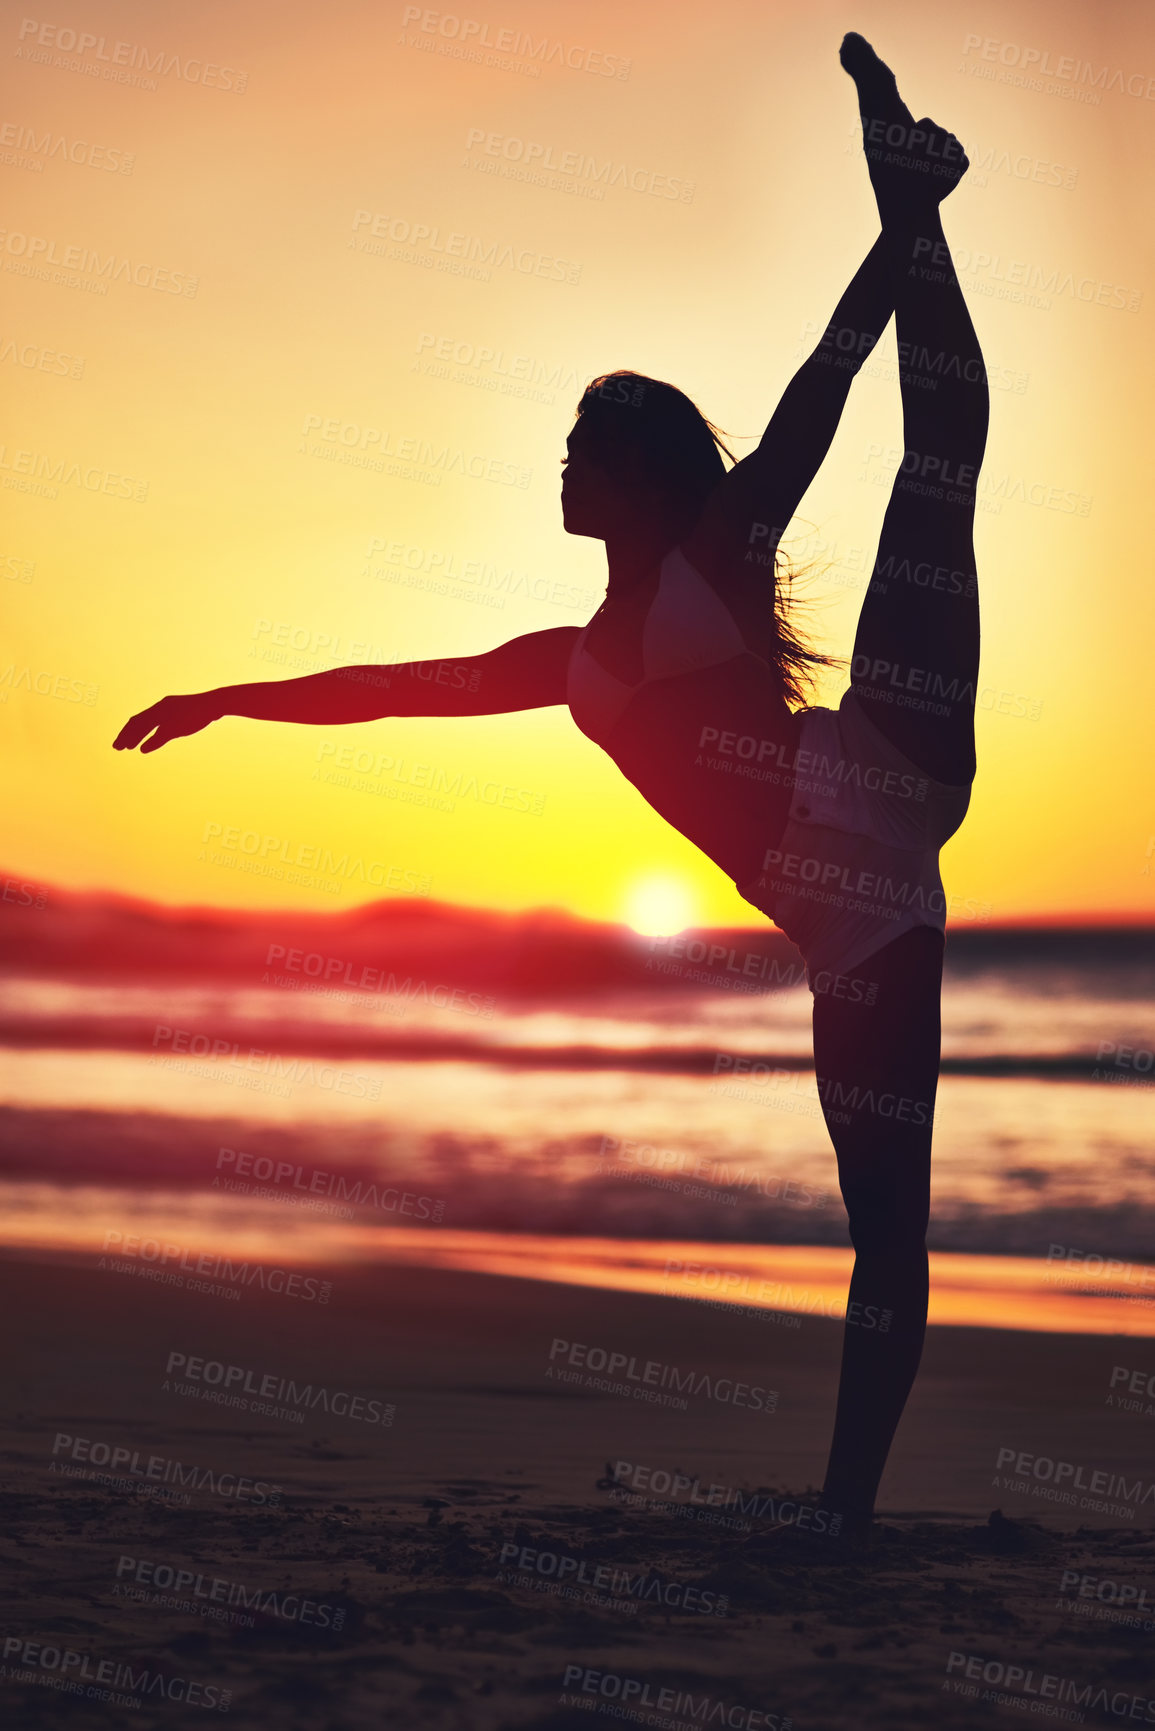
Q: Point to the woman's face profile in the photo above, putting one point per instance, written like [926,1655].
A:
[595,500]
[583,487]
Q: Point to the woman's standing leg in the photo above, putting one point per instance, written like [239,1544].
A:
[876,1055]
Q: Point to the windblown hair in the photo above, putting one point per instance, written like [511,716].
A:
[654,433]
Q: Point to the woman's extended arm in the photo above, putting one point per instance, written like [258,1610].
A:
[756,500]
[526,673]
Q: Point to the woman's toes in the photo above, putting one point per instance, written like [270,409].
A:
[858,57]
[853,51]
[878,97]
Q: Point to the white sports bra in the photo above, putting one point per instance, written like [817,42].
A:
[688,627]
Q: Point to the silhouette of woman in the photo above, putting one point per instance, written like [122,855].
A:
[691,678]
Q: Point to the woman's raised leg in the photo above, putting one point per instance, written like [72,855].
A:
[916,653]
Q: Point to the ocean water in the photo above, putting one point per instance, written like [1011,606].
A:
[315,1126]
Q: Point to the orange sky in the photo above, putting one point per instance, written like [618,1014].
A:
[299,346]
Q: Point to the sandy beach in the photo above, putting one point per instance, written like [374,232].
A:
[421,1499]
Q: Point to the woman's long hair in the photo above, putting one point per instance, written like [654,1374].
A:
[653,432]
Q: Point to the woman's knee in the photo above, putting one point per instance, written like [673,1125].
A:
[887,1214]
[947,423]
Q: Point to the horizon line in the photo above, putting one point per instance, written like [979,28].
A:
[1067,921]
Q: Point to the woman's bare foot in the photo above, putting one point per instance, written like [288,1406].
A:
[911,162]
[877,86]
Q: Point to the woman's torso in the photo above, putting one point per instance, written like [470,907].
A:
[669,684]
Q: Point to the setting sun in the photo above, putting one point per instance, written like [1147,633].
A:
[658,907]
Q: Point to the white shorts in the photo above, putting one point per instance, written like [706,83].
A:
[857,864]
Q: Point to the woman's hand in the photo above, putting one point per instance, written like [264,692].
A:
[915,165]
[171,718]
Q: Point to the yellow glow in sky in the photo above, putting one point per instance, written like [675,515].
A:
[307,431]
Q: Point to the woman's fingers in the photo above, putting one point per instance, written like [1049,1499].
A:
[917,165]
[944,155]
[138,727]
[171,718]
[159,738]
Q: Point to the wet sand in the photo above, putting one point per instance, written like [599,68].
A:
[407,1572]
